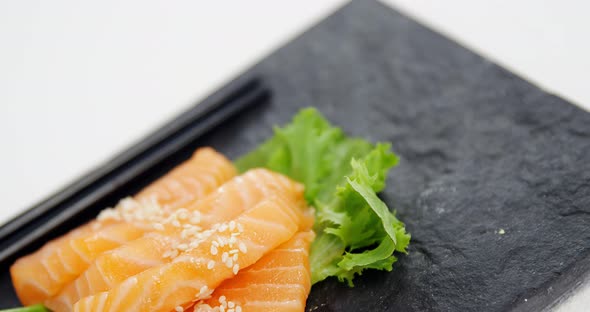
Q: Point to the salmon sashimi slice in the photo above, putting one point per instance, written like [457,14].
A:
[279,281]
[232,198]
[44,273]
[191,180]
[218,254]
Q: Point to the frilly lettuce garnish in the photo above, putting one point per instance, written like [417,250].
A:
[342,176]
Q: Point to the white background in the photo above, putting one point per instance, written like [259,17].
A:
[80,80]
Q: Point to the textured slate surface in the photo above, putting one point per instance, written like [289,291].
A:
[482,150]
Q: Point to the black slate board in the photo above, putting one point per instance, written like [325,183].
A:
[482,150]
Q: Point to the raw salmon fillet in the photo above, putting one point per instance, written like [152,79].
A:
[218,255]
[43,274]
[232,198]
[279,281]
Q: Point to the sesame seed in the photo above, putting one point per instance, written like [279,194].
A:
[203,290]
[231,304]
[208,233]
[175,223]
[229,263]
[179,309]
[222,299]
[233,251]
[194,244]
[240,227]
[216,244]
[109,214]
[235,257]
[231,310]
[224,257]
[243,247]
[182,247]
[238,309]
[182,214]
[222,228]
[211,264]
[236,269]
[138,216]
[158,226]
[221,309]
[232,225]
[127,205]
[232,240]
[213,250]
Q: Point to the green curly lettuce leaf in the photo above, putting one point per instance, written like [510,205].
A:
[342,176]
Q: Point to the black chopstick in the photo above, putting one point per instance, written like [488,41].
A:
[125,167]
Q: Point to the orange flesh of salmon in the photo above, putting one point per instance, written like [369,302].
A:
[238,195]
[279,281]
[194,274]
[44,273]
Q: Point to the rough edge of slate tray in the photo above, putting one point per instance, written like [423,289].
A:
[565,286]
